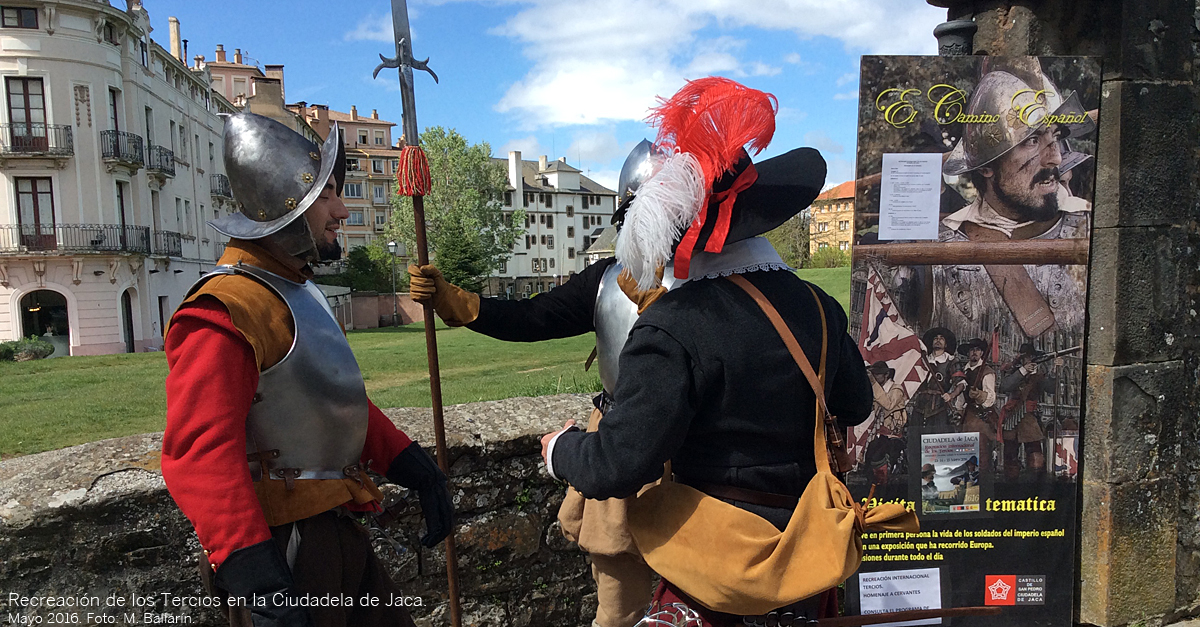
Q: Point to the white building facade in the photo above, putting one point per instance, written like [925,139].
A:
[110,165]
[565,212]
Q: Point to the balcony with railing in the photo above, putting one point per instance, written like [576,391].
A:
[26,140]
[121,148]
[16,239]
[160,161]
[219,183]
[168,243]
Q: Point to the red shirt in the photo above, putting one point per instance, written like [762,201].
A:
[212,380]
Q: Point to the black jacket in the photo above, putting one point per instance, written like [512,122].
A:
[566,311]
[707,383]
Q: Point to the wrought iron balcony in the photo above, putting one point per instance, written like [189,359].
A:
[22,139]
[73,238]
[220,186]
[121,148]
[160,160]
[168,243]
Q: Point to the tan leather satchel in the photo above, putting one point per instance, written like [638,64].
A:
[733,561]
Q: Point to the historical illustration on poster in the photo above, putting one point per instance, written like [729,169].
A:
[972,227]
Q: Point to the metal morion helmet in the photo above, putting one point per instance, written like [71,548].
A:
[1019,108]
[643,161]
[275,175]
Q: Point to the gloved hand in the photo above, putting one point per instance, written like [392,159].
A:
[414,469]
[641,298]
[453,304]
[261,570]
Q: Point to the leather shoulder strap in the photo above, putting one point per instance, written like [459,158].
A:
[789,340]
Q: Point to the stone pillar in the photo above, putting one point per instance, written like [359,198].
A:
[1139,537]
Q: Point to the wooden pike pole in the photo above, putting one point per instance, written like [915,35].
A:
[412,179]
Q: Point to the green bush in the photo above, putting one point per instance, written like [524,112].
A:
[829,257]
[27,349]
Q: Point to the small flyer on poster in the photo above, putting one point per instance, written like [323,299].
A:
[909,196]
[950,473]
[901,590]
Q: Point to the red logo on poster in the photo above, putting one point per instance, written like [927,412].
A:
[1001,589]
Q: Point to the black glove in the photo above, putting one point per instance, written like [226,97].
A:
[260,570]
[414,469]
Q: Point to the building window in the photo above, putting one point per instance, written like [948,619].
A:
[380,218]
[550,242]
[355,218]
[844,245]
[362,137]
[378,138]
[822,227]
[380,193]
[587,242]
[843,225]
[570,211]
[543,240]
[542,218]
[570,253]
[146,55]
[508,201]
[586,198]
[27,113]
[552,262]
[550,221]
[549,198]
[353,190]
[377,166]
[35,211]
[114,108]
[527,244]
[110,34]
[570,231]
[503,268]
[187,215]
[20,17]
[351,164]
[342,135]
[823,245]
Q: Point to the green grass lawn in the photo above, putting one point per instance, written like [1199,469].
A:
[52,403]
[835,282]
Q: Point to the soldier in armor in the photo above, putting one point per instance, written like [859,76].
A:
[706,381]
[975,397]
[931,408]
[1025,382]
[1016,166]
[589,301]
[888,421]
[269,429]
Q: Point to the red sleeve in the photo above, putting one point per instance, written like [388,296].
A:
[384,441]
[212,379]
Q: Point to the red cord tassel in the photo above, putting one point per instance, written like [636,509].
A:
[412,177]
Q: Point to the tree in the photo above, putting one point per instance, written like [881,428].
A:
[790,240]
[468,233]
[368,268]
[829,257]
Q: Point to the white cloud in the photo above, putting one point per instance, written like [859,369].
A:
[529,147]
[823,142]
[371,28]
[595,146]
[850,77]
[584,74]
[846,95]
[838,171]
[607,178]
[790,114]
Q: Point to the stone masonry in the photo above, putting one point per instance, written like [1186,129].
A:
[1140,523]
[96,520]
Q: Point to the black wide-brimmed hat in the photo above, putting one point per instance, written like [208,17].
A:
[881,367]
[927,339]
[965,348]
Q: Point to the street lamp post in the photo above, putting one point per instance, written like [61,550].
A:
[395,297]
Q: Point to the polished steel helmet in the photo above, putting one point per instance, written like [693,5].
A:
[275,174]
[643,161]
[1017,109]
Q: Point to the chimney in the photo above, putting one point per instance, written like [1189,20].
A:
[514,170]
[562,159]
[374,114]
[184,52]
[276,71]
[237,56]
[220,53]
[541,163]
[353,112]
[199,59]
[176,45]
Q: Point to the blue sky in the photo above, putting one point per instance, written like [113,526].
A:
[571,79]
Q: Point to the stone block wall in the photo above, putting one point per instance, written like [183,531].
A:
[96,520]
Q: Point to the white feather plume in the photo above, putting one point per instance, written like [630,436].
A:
[663,208]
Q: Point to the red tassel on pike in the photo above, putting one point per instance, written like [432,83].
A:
[412,177]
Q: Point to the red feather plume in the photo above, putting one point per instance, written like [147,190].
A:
[713,119]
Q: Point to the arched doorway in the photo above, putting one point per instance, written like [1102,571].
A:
[44,313]
[127,320]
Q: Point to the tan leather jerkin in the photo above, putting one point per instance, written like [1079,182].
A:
[731,560]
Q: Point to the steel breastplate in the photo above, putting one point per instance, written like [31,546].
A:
[309,416]
[613,318]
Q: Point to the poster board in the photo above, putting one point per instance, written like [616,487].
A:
[969,284]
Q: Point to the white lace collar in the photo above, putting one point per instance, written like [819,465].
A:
[748,255]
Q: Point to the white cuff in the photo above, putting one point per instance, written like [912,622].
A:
[550,453]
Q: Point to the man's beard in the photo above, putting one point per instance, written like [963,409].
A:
[329,251]
[1045,210]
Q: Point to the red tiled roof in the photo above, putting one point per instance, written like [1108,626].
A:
[845,190]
